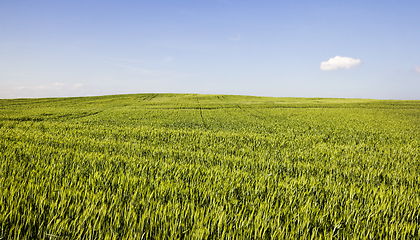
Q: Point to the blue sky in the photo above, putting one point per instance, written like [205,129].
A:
[264,48]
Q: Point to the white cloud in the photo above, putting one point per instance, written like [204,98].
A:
[338,62]
[417,68]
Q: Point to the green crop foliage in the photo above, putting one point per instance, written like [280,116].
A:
[187,166]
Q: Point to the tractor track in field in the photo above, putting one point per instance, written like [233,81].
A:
[201,113]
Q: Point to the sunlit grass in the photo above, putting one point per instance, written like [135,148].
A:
[162,166]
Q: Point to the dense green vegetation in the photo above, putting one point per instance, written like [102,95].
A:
[169,166]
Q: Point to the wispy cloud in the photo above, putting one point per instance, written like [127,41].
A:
[417,68]
[339,62]
[58,84]
[237,38]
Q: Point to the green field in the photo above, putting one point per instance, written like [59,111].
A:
[187,166]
